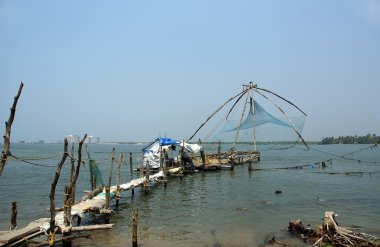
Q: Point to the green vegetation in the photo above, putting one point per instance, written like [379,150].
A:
[368,139]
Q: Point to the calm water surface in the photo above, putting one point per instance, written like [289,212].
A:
[224,208]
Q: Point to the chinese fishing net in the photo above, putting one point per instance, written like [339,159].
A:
[95,172]
[255,119]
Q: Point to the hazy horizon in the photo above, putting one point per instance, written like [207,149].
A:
[129,71]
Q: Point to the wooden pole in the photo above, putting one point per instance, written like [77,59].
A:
[165,168]
[254,123]
[219,153]
[111,168]
[72,168]
[135,217]
[52,190]
[13,216]
[107,206]
[79,162]
[147,173]
[67,205]
[8,126]
[131,165]
[161,161]
[118,195]
[93,179]
[241,119]
[107,214]
[182,155]
[250,164]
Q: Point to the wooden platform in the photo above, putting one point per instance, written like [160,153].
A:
[15,237]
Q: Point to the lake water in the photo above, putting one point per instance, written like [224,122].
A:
[224,208]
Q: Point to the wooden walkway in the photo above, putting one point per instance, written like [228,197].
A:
[97,203]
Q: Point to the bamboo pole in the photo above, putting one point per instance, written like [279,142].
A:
[241,119]
[8,128]
[215,112]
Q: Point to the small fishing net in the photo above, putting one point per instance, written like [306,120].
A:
[274,123]
[95,173]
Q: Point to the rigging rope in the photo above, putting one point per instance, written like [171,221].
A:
[31,163]
[350,153]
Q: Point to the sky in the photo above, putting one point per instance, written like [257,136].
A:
[133,70]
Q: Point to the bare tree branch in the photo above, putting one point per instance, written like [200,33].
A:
[7,136]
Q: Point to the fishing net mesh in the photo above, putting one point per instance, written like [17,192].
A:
[271,123]
[95,172]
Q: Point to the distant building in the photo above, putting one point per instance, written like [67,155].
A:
[93,139]
[73,138]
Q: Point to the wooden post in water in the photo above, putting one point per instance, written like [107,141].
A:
[93,179]
[135,217]
[202,152]
[131,165]
[14,216]
[182,157]
[147,173]
[219,154]
[111,168]
[161,162]
[107,214]
[165,168]
[250,164]
[118,195]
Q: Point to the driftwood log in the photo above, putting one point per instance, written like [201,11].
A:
[87,228]
[8,126]
[331,234]
[91,194]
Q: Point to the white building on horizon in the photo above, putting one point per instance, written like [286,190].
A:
[73,139]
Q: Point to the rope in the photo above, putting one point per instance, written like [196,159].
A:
[31,163]
[350,153]
[319,163]
[41,158]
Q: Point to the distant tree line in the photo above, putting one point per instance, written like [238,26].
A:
[367,139]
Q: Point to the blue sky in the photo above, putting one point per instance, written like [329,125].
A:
[131,70]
